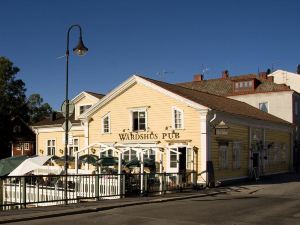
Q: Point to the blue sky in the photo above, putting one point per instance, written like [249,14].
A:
[145,37]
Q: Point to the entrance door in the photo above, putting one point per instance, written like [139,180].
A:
[182,160]
[255,173]
[255,161]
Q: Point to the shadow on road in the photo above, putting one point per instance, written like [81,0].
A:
[225,199]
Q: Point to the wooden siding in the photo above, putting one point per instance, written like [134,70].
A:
[279,160]
[59,139]
[235,133]
[159,117]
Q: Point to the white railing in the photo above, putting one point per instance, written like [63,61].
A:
[43,193]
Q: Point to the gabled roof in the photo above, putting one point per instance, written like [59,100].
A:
[225,86]
[217,102]
[97,95]
[82,94]
[198,98]
[58,120]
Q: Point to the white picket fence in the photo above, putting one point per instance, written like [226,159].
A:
[83,187]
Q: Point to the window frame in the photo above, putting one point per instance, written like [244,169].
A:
[132,111]
[223,156]
[53,147]
[236,154]
[72,146]
[174,109]
[261,103]
[107,115]
[26,146]
[84,105]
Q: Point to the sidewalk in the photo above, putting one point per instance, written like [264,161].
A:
[95,206]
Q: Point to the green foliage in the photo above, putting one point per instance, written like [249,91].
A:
[13,104]
[12,101]
[37,109]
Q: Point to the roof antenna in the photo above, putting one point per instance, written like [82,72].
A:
[204,70]
[162,74]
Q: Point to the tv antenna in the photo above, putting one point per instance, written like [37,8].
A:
[204,69]
[162,74]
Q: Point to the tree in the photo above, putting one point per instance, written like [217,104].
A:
[37,109]
[12,102]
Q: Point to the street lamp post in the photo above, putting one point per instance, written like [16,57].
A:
[80,50]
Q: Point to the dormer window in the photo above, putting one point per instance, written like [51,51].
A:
[243,85]
[83,108]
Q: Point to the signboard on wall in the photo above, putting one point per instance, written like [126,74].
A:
[148,136]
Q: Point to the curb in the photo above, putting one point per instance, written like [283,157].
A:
[101,208]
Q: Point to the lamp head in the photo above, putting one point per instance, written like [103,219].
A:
[80,49]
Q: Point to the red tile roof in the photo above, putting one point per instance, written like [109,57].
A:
[217,102]
[225,87]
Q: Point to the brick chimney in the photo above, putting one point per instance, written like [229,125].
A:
[263,75]
[53,116]
[225,74]
[298,69]
[198,77]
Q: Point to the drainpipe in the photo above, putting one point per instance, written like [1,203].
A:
[203,142]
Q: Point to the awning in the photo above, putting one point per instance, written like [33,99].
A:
[29,165]
[9,164]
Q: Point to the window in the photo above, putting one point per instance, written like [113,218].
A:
[189,158]
[243,85]
[106,124]
[138,120]
[263,106]
[83,108]
[108,153]
[236,149]
[51,147]
[177,118]
[26,146]
[223,156]
[129,155]
[173,158]
[150,153]
[74,146]
[19,147]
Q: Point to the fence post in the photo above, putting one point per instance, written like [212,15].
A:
[164,183]
[97,187]
[1,194]
[37,186]
[124,183]
[23,182]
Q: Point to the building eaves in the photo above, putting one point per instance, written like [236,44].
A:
[217,102]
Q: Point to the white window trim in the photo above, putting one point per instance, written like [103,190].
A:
[173,118]
[55,146]
[225,166]
[79,105]
[138,109]
[268,107]
[237,164]
[109,123]
[26,146]
[72,145]
[130,155]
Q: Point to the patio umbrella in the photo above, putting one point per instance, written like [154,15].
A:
[29,165]
[62,159]
[90,159]
[137,163]
[108,161]
[9,164]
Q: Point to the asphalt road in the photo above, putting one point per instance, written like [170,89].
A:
[272,204]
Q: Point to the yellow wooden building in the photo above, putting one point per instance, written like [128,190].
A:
[183,129]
